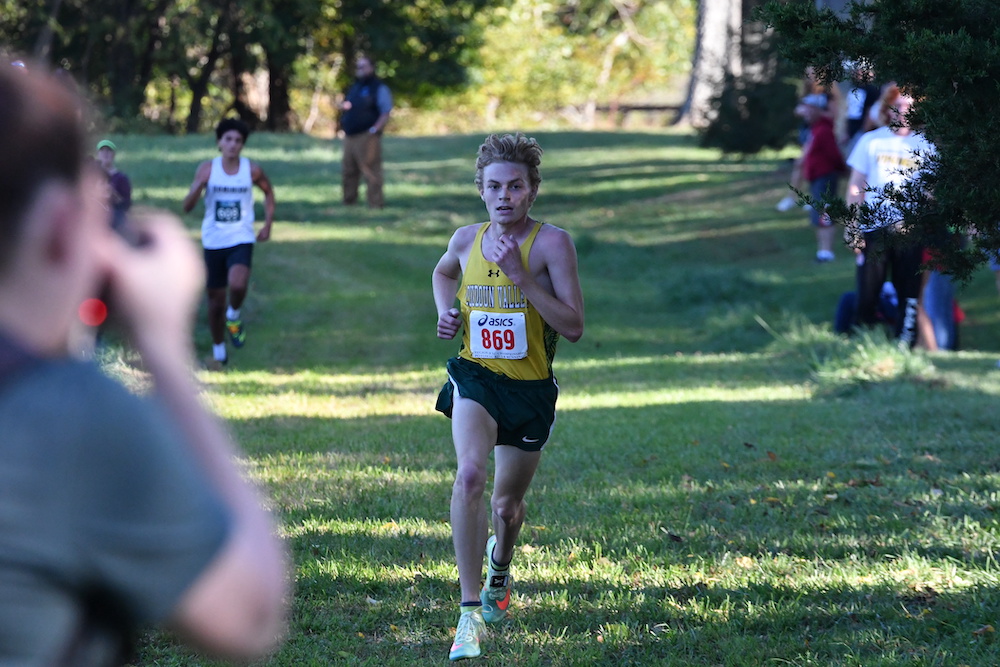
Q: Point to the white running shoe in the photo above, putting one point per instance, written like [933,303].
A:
[786,204]
[469,633]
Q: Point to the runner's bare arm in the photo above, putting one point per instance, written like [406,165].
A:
[445,281]
[562,305]
[201,175]
[261,180]
[856,187]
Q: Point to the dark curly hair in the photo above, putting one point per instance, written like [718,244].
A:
[227,124]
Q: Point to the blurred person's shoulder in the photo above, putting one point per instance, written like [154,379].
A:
[59,403]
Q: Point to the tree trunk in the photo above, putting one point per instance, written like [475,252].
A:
[716,51]
[43,45]
[279,108]
[199,84]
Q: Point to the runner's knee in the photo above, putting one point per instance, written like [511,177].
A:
[507,509]
[470,480]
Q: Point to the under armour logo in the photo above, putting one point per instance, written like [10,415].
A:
[493,274]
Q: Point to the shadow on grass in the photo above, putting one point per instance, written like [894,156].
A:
[578,621]
[741,476]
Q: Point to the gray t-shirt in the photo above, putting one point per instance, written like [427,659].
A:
[105,519]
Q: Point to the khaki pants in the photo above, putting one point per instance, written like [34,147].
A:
[363,158]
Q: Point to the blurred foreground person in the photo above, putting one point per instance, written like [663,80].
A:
[116,511]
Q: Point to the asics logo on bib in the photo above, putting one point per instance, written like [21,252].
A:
[495,321]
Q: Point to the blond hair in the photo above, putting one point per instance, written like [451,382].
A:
[515,148]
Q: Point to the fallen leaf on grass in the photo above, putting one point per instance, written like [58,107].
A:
[859,483]
[772,456]
[986,632]
[724,464]
[673,538]
[745,562]
[749,445]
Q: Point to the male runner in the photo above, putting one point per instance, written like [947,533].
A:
[227,232]
[518,290]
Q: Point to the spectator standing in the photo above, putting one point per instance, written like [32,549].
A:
[364,115]
[888,156]
[822,165]
[121,186]
[833,103]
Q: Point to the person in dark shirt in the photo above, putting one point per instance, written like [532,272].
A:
[364,114]
[121,187]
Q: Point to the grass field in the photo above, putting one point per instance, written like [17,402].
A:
[728,484]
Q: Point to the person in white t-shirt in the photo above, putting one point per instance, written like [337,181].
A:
[889,155]
[227,230]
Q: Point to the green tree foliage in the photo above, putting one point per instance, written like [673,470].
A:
[423,47]
[183,63]
[108,45]
[201,52]
[946,54]
[541,58]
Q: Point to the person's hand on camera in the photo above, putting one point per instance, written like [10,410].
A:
[155,281]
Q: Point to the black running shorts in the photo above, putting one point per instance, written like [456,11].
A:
[218,262]
[525,410]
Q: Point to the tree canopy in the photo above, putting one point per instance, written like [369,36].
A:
[197,52]
[946,54]
[179,64]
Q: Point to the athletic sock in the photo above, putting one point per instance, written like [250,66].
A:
[471,606]
[499,568]
[232,313]
[219,351]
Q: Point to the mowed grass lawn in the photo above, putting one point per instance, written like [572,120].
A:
[728,483]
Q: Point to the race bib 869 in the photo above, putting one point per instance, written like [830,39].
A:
[498,335]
